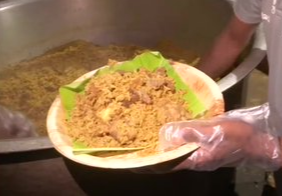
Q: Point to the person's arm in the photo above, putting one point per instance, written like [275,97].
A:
[227,48]
[242,137]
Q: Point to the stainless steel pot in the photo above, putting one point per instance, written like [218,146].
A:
[28,28]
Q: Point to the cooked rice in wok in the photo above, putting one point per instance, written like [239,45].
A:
[126,109]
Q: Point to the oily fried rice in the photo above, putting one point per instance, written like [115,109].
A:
[126,109]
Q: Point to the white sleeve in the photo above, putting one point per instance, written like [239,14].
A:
[248,11]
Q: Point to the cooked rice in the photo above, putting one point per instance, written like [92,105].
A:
[126,109]
[22,85]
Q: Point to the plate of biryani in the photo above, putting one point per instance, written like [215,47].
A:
[111,117]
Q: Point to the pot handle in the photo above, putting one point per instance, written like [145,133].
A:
[243,70]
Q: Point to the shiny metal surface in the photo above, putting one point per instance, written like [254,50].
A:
[31,27]
[244,69]
[24,145]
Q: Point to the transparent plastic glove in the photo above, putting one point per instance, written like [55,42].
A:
[239,137]
[14,125]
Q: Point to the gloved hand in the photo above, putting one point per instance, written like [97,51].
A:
[14,125]
[239,137]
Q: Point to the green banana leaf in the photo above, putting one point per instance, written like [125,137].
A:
[149,61]
[79,148]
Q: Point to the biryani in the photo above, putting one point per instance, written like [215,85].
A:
[126,109]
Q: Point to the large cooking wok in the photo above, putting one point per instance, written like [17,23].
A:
[28,28]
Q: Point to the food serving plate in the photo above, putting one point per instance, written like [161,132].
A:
[203,86]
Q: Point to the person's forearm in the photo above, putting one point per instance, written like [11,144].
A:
[221,57]
[226,48]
